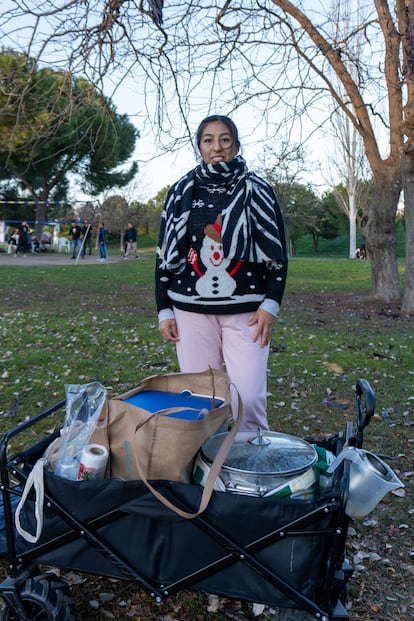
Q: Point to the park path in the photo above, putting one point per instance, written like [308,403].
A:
[51,259]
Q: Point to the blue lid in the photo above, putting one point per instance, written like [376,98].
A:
[155,400]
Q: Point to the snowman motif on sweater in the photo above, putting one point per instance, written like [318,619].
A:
[216,281]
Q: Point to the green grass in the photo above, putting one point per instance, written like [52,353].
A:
[319,275]
[72,324]
[76,323]
[339,247]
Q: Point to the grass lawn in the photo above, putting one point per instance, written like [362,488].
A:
[71,324]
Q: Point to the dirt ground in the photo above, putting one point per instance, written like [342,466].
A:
[52,259]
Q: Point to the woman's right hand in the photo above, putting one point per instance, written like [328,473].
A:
[168,328]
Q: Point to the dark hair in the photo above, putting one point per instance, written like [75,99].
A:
[223,119]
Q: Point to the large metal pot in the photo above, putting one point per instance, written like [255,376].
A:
[263,464]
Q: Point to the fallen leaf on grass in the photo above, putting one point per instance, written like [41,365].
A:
[233,615]
[386,416]
[335,368]
[213,603]
[258,609]
[335,404]
[360,556]
[374,608]
[379,356]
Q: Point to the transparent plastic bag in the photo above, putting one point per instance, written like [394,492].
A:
[84,403]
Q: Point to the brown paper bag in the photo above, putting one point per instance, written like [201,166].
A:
[152,445]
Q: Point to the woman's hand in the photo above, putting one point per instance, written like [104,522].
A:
[168,329]
[264,325]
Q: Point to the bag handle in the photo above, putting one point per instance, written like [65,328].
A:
[212,475]
[35,480]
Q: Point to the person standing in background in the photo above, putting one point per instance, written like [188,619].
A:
[130,241]
[102,242]
[87,238]
[75,235]
[25,243]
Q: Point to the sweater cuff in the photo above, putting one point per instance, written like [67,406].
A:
[165,313]
[270,306]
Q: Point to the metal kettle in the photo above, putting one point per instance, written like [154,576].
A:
[370,479]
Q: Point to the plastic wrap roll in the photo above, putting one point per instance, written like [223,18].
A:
[93,463]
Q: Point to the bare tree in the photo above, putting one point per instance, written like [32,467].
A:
[330,58]
[277,59]
[347,164]
[406,28]
[348,174]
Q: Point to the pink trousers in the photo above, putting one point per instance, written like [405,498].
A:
[225,341]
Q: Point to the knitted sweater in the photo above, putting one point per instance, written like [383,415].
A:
[211,282]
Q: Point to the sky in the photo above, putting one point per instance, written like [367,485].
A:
[159,167]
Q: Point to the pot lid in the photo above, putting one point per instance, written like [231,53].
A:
[266,452]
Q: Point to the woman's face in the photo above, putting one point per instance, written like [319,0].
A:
[217,144]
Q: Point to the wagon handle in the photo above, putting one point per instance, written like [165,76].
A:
[364,414]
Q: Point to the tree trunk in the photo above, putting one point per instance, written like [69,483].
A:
[41,213]
[378,227]
[407,167]
[351,146]
[352,206]
[407,156]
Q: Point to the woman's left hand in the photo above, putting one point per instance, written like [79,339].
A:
[264,326]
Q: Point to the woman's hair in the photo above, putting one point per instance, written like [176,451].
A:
[223,119]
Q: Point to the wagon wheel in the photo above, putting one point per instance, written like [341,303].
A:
[44,598]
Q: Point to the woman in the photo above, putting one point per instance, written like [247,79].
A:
[221,267]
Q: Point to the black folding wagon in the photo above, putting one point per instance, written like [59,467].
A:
[276,551]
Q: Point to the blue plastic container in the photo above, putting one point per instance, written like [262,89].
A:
[155,400]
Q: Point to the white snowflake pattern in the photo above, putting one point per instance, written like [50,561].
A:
[214,189]
[198,204]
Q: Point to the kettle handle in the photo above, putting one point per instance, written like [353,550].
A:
[349,452]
